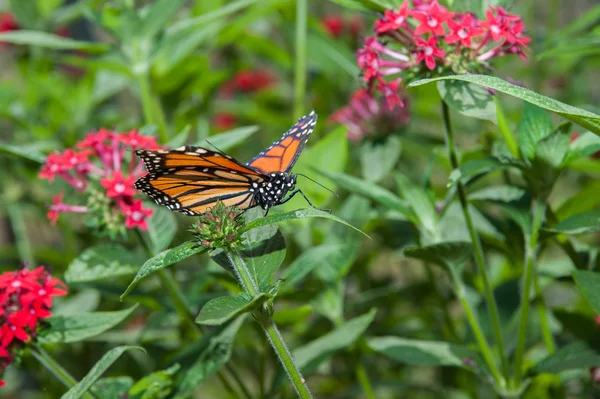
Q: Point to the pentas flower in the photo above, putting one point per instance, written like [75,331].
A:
[104,168]
[26,298]
[337,26]
[7,23]
[224,121]
[428,41]
[249,81]
[368,117]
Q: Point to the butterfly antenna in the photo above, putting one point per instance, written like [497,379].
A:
[317,183]
[214,146]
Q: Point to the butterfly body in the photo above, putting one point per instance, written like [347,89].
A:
[191,179]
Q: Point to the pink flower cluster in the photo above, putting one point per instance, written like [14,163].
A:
[107,158]
[336,25]
[414,42]
[25,299]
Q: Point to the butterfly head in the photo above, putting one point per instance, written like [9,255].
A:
[271,191]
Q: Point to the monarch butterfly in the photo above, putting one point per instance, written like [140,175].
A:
[191,180]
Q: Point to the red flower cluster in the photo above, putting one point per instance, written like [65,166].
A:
[336,25]
[367,116]
[109,158]
[25,299]
[414,42]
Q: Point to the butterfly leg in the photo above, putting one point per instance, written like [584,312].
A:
[296,191]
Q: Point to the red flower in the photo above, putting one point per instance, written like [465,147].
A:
[368,61]
[598,319]
[136,140]
[392,20]
[432,19]
[53,213]
[390,93]
[135,215]
[334,25]
[428,51]
[224,121]
[496,26]
[92,140]
[252,80]
[118,186]
[463,31]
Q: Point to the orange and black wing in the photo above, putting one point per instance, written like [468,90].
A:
[191,180]
[283,154]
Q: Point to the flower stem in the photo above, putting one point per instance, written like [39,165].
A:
[479,255]
[539,209]
[363,380]
[300,58]
[264,318]
[59,372]
[543,315]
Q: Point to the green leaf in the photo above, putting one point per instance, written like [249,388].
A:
[96,372]
[180,138]
[377,159]
[79,327]
[101,262]
[421,205]
[229,139]
[468,99]
[553,149]
[224,308]
[575,355]
[589,284]
[499,193]
[162,260]
[370,190]
[586,199]
[299,214]
[162,227]
[480,166]
[212,358]
[451,255]
[535,125]
[296,315]
[582,117]
[24,151]
[159,12]
[112,387]
[585,145]
[582,223]
[422,353]
[264,252]
[330,55]
[353,5]
[49,40]
[308,260]
[309,356]
[156,385]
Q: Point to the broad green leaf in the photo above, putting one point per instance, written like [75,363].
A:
[370,190]
[101,262]
[581,223]
[468,99]
[535,125]
[479,166]
[96,372]
[421,205]
[575,355]
[586,199]
[112,387]
[296,315]
[224,308]
[451,255]
[79,327]
[582,117]
[551,150]
[378,159]
[299,214]
[229,139]
[416,352]
[49,40]
[579,46]
[585,145]
[162,260]
[309,356]
[24,151]
[158,13]
[499,193]
[211,359]
[589,284]
[158,384]
[263,251]
[162,227]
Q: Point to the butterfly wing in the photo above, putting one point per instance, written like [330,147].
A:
[191,180]
[283,154]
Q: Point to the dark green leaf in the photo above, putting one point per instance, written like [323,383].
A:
[49,40]
[156,385]
[551,150]
[589,284]
[331,56]
[162,227]
[378,159]
[451,255]
[421,205]
[576,355]
[582,223]
[468,99]
[309,260]
[101,262]
[479,166]
[535,126]
[264,251]
[224,308]
[587,199]
[79,327]
[96,372]
[112,387]
[229,139]
[292,315]
[585,145]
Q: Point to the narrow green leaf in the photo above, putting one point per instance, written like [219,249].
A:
[378,159]
[505,130]
[162,227]
[575,355]
[180,138]
[589,284]
[468,99]
[420,203]
[158,384]
[581,223]
[112,387]
[101,262]
[96,372]
[308,260]
[79,327]
[49,40]
[422,353]
[162,260]
[159,12]
[309,356]
[586,199]
[479,166]
[299,214]
[585,145]
[331,56]
[23,151]
[451,255]
[229,139]
[220,13]
[353,5]
[499,193]
[220,310]
[582,117]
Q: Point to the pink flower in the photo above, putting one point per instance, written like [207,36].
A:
[136,140]
[251,81]
[368,61]
[136,215]
[390,93]
[496,26]
[432,19]
[224,121]
[428,51]
[118,186]
[392,20]
[464,31]
[334,25]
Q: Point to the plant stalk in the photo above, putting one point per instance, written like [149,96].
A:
[300,58]
[478,248]
[264,318]
[543,315]
[539,209]
[363,380]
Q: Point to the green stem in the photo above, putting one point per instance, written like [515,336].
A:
[264,318]
[153,113]
[530,260]
[363,380]
[59,372]
[479,255]
[19,229]
[300,58]
[543,315]
[506,131]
